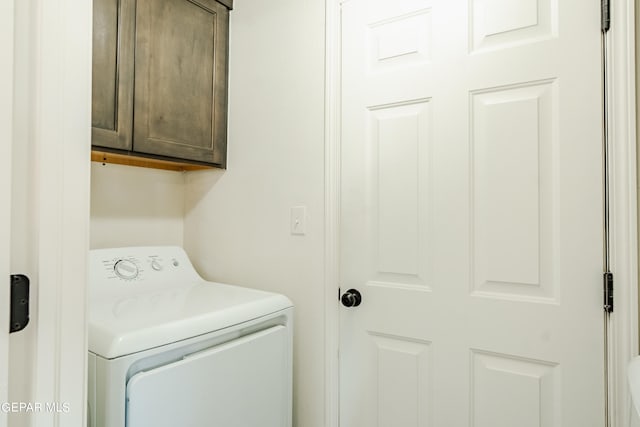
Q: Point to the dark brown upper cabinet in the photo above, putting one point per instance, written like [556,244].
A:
[112,85]
[160,80]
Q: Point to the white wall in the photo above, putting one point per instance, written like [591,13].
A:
[237,221]
[132,206]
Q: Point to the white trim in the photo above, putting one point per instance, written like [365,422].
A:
[6,143]
[61,151]
[332,212]
[624,251]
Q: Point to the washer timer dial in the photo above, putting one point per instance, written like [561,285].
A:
[125,269]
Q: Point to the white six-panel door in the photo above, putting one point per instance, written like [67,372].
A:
[471,214]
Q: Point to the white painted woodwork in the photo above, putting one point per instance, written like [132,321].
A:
[6,143]
[58,116]
[471,214]
[512,201]
[332,213]
[23,203]
[498,24]
[623,139]
[495,382]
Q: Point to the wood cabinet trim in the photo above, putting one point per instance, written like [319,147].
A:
[128,160]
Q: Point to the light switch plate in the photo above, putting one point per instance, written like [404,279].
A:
[299,220]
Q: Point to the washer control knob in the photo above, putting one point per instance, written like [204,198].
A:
[156,265]
[126,269]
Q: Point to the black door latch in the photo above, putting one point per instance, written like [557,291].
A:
[19,302]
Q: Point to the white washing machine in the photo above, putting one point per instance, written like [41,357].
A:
[169,349]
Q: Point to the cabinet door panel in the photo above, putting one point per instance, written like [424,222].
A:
[112,90]
[180,79]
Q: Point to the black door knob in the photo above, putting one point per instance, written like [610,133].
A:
[351,298]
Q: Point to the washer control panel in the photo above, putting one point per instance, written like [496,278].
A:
[140,264]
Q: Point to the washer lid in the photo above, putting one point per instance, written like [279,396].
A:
[122,324]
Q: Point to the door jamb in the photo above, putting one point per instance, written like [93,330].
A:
[332,210]
[60,119]
[623,322]
[6,143]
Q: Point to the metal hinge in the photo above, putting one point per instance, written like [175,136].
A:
[605,16]
[19,316]
[608,292]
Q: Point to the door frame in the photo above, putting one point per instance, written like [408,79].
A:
[59,118]
[62,140]
[332,129]
[623,323]
[6,140]
[623,343]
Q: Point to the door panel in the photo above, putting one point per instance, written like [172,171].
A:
[105,64]
[112,71]
[181,55]
[471,214]
[512,197]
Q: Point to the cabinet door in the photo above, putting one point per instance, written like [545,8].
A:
[112,86]
[180,105]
